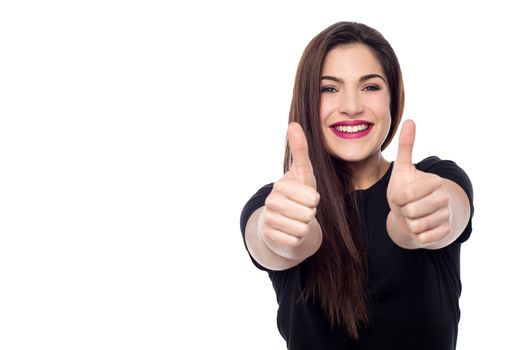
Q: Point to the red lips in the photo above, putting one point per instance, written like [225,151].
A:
[352,135]
[350,123]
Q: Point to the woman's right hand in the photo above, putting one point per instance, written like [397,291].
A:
[287,224]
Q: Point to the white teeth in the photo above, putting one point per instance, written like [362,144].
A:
[353,128]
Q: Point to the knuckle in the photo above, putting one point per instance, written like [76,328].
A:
[311,215]
[395,198]
[433,179]
[412,225]
[312,198]
[295,242]
[410,211]
[279,186]
[303,229]
[316,198]
[267,234]
[269,220]
[423,239]
[445,214]
[436,178]
[271,202]
[443,197]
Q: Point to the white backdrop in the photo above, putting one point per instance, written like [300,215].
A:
[133,132]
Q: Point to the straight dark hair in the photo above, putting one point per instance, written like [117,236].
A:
[337,272]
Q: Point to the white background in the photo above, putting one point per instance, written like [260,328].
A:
[133,132]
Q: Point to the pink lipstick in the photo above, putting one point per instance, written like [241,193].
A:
[352,129]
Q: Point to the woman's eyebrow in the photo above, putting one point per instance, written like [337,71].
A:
[330,77]
[362,79]
[370,76]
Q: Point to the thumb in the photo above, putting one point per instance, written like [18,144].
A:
[299,148]
[405,144]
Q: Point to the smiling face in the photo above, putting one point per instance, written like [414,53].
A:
[354,103]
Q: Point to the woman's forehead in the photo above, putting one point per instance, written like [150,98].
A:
[351,58]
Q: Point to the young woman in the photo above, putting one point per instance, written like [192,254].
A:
[362,253]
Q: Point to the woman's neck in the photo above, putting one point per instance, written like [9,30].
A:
[368,171]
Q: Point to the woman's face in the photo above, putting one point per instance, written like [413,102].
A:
[354,105]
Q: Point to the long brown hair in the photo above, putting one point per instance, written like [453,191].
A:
[337,275]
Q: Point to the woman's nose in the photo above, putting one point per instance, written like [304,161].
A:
[351,104]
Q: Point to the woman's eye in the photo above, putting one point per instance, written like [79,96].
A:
[371,88]
[328,89]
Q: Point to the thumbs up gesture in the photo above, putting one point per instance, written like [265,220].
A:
[420,204]
[288,218]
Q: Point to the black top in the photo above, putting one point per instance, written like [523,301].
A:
[414,293]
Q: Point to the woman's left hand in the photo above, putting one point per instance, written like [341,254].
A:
[420,202]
